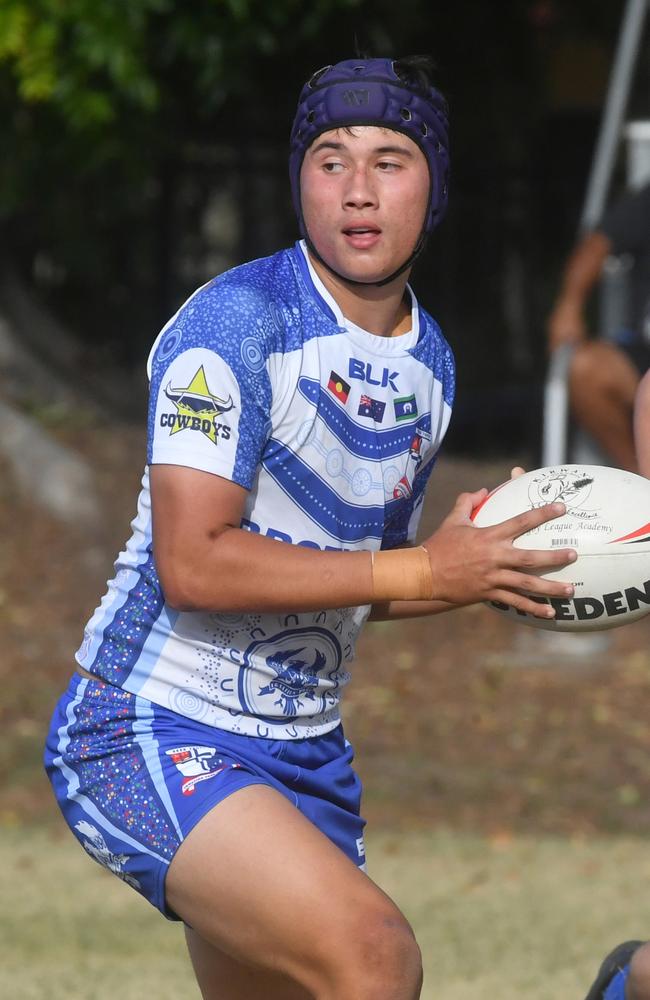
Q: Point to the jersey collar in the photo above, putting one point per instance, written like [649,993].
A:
[397,345]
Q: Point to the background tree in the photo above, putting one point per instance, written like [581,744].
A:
[145,149]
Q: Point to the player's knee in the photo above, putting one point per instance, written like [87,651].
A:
[586,366]
[638,984]
[381,958]
[598,366]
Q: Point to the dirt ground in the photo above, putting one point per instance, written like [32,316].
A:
[465,720]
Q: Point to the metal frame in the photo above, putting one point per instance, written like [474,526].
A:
[555,432]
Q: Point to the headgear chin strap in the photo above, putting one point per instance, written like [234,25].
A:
[370,92]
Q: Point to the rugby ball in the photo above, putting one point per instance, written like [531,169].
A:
[607,522]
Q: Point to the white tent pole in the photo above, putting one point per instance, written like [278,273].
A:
[614,111]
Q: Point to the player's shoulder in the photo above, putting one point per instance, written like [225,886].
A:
[247,293]
[435,348]
[434,352]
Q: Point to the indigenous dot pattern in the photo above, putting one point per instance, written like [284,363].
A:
[440,359]
[127,633]
[111,768]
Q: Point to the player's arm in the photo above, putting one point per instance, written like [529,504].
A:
[392,611]
[206,562]
[566,323]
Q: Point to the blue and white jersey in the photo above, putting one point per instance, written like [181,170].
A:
[259,378]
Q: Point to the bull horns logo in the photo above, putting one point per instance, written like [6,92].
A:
[197,408]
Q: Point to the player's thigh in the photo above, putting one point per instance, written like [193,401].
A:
[261,883]
[221,977]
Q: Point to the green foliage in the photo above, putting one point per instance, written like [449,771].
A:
[108,106]
[79,54]
[121,118]
[88,58]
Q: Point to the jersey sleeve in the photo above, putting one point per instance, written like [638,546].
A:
[210,395]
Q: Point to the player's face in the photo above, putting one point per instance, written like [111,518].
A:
[364,196]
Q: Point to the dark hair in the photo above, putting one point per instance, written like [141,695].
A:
[416,71]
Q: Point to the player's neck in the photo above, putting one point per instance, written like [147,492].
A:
[384,311]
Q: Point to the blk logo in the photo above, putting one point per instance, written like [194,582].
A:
[363,370]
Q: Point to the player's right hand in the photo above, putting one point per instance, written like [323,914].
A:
[471,564]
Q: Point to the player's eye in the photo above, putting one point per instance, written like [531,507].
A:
[332,167]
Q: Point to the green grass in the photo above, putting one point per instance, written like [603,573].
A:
[504,919]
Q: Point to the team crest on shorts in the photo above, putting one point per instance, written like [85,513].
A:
[95,845]
[198,764]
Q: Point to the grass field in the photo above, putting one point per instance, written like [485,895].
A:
[462,721]
[506,919]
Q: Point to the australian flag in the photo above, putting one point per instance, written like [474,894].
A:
[372,408]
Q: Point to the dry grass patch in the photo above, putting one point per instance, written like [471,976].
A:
[503,917]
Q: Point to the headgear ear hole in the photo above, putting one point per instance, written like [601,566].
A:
[315,77]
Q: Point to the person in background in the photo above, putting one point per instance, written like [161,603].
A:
[642,425]
[625,972]
[604,374]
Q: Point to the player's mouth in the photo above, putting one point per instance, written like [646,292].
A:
[362,236]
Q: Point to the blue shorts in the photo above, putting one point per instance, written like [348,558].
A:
[132,779]
[636,348]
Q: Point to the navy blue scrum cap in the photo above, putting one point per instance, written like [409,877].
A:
[373,92]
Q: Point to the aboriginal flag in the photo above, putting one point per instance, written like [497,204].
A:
[339,387]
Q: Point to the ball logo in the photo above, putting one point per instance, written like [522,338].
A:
[569,486]
[629,600]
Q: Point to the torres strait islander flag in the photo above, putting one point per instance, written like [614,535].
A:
[339,387]
[406,408]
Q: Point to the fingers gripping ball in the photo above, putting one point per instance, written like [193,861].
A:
[607,522]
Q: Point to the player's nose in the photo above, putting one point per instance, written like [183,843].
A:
[360,191]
